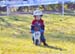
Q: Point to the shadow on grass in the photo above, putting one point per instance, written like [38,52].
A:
[53,47]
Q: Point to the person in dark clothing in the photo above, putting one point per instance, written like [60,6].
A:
[38,22]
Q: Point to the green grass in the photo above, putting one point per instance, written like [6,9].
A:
[15,37]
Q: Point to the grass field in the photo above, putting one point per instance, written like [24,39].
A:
[15,37]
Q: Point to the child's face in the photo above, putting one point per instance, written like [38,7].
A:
[38,17]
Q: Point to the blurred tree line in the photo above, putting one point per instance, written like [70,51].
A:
[52,7]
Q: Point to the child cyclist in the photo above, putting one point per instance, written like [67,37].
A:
[38,22]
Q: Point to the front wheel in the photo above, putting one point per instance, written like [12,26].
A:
[37,42]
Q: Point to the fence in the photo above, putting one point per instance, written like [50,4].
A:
[28,3]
